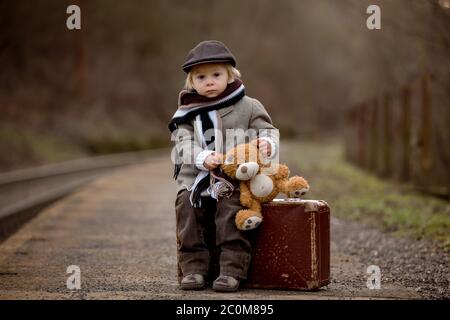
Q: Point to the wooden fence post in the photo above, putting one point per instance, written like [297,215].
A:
[387,136]
[405,121]
[351,144]
[373,144]
[425,141]
[362,135]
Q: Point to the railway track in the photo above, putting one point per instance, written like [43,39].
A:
[24,193]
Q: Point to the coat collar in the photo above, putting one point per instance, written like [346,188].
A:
[224,111]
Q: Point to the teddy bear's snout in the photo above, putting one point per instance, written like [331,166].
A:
[247,170]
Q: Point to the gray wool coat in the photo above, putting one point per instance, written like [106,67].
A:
[248,115]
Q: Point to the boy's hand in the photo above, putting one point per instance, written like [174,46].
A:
[212,161]
[264,147]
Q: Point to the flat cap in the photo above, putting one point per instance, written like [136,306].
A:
[208,51]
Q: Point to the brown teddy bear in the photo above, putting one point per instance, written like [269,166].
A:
[260,182]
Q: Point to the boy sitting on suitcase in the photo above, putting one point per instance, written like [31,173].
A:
[213,102]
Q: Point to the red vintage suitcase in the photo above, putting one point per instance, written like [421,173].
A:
[291,249]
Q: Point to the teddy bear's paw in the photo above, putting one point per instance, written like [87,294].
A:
[252,223]
[247,170]
[298,193]
[247,219]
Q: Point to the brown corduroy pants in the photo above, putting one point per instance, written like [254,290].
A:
[194,227]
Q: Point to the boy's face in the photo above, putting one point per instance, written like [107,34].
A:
[210,79]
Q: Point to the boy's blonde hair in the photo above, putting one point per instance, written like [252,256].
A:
[232,72]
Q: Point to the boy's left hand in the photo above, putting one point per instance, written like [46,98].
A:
[264,147]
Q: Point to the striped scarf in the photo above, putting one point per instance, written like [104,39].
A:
[191,104]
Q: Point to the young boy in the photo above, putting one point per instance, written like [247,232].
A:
[212,104]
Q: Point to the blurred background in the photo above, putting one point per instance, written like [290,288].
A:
[364,116]
[112,86]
